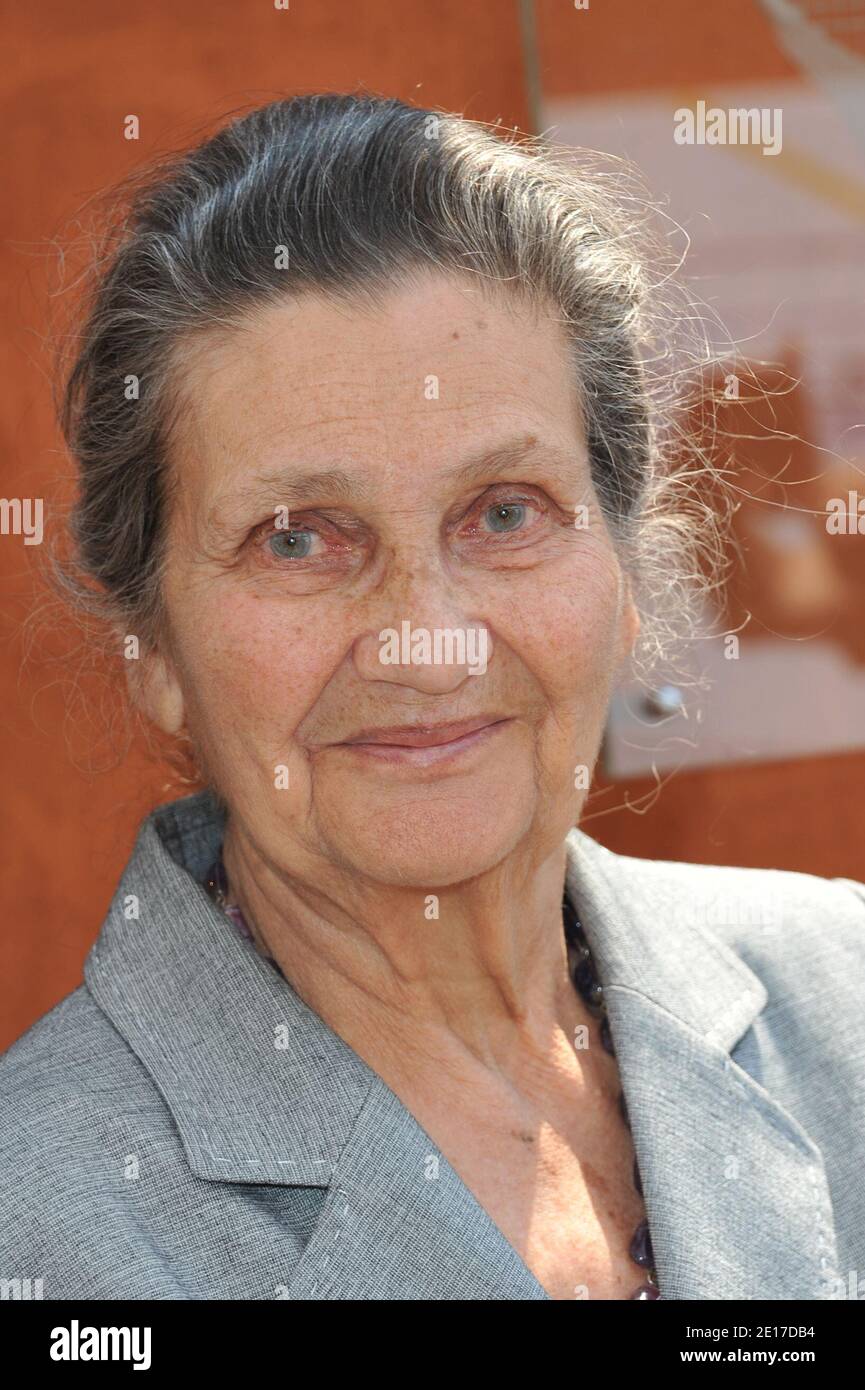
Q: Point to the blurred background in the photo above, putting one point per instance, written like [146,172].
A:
[758,756]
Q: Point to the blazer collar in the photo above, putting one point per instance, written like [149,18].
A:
[263,1091]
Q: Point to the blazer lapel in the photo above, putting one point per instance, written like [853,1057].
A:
[736,1193]
[400,1224]
[735,1190]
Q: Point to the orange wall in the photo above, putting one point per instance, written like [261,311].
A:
[803,814]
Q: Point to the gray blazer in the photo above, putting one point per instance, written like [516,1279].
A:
[183,1126]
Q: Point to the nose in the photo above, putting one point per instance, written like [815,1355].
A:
[423,638]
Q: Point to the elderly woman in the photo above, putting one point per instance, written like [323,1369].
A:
[369,485]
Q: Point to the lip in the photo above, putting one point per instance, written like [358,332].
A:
[417,746]
[422,735]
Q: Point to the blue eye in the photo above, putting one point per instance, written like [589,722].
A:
[506,516]
[290,545]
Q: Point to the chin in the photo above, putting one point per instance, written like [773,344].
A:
[434,839]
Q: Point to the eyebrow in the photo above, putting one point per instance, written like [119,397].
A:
[289,488]
[527,452]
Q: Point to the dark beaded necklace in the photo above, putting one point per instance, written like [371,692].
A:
[585,978]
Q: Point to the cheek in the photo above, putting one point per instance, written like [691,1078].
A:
[565,629]
[250,672]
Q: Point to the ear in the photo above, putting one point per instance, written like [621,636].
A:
[155,690]
[629,629]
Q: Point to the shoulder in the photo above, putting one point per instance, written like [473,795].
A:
[72,1063]
[749,909]
[802,936]
[76,1107]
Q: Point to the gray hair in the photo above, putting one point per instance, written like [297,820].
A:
[361,190]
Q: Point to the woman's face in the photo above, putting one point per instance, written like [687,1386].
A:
[345,473]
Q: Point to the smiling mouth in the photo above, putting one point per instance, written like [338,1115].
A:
[421,746]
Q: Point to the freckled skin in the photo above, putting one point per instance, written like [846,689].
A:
[268,670]
[271,662]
